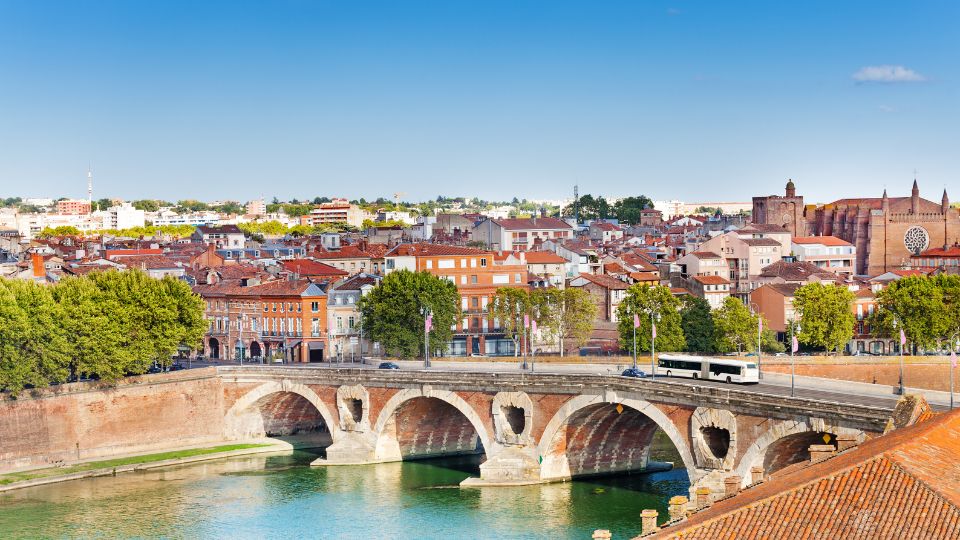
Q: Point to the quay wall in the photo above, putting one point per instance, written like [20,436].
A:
[84,421]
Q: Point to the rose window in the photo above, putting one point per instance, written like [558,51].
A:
[916,239]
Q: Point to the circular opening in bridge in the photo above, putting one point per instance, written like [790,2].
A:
[717,439]
[288,416]
[355,406]
[794,449]
[515,417]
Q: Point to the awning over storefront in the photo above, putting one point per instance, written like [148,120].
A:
[315,345]
[291,345]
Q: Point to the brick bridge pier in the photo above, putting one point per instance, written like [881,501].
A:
[534,428]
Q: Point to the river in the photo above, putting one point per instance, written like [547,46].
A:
[281,496]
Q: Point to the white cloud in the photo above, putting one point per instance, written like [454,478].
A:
[887,109]
[887,74]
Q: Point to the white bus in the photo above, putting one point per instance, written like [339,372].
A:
[713,369]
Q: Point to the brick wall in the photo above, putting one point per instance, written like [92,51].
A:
[142,414]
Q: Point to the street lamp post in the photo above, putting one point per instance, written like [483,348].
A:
[794,328]
[427,325]
[654,319]
[756,310]
[896,324]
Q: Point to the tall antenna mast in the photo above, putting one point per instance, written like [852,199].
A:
[576,205]
[90,186]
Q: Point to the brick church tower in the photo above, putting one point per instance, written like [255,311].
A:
[785,211]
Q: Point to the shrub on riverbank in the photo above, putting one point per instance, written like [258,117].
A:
[104,326]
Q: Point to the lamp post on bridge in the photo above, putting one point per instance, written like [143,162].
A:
[794,346]
[654,319]
[427,326]
[756,310]
[903,341]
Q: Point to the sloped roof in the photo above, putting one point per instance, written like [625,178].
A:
[905,484]
[431,250]
[533,223]
[605,281]
[796,271]
[543,257]
[760,241]
[832,241]
[712,280]
[705,255]
[306,267]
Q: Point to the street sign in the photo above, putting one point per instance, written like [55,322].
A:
[354,340]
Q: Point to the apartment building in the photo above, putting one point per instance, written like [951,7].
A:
[335,211]
[273,320]
[477,276]
[826,252]
[520,234]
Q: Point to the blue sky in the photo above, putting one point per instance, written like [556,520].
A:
[701,101]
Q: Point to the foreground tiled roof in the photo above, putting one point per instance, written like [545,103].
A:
[543,257]
[712,280]
[905,484]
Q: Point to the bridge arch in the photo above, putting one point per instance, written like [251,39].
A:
[556,466]
[388,434]
[274,407]
[782,432]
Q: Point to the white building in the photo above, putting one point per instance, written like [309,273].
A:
[669,208]
[827,252]
[122,216]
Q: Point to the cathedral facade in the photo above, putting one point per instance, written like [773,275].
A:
[885,230]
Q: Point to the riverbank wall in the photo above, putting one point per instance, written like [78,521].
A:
[83,421]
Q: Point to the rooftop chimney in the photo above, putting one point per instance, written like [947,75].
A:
[820,452]
[703,497]
[678,507]
[731,485]
[648,521]
[39,271]
[845,441]
[756,475]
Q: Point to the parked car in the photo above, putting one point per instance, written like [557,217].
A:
[176,366]
[388,365]
[633,372]
[155,368]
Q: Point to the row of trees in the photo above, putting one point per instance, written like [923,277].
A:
[927,309]
[177,231]
[688,324]
[560,314]
[393,313]
[104,325]
[626,210]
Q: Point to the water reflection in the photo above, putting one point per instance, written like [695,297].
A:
[272,496]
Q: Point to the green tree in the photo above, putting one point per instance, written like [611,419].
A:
[734,327]
[826,315]
[643,299]
[565,314]
[509,305]
[391,312]
[62,230]
[101,204]
[769,343]
[627,210]
[33,341]
[697,323]
[918,303]
[146,205]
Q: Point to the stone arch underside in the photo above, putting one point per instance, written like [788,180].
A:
[590,436]
[282,410]
[419,425]
[787,442]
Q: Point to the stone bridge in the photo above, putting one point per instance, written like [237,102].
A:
[534,428]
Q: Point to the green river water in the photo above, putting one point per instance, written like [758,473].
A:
[281,496]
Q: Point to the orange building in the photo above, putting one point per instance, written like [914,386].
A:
[73,207]
[280,319]
[477,276]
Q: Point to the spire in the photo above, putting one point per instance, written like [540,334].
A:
[915,198]
[885,202]
[944,202]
